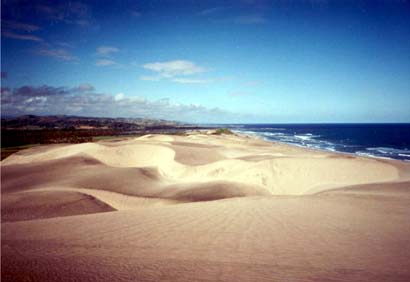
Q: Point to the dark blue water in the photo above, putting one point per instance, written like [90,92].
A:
[373,140]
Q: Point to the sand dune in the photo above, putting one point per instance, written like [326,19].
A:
[255,239]
[161,163]
[116,201]
[46,204]
[202,208]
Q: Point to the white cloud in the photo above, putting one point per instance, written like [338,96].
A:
[107,50]
[40,99]
[174,68]
[119,97]
[105,62]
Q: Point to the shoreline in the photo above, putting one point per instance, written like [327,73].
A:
[369,156]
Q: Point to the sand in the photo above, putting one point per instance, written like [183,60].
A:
[202,208]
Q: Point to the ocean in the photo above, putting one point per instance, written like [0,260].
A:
[391,141]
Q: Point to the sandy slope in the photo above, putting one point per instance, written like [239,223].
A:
[282,213]
[46,204]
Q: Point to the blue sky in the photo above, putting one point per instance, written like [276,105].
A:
[208,61]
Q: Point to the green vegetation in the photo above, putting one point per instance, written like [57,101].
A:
[220,131]
[16,137]
[108,137]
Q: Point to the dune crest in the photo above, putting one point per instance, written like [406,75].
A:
[199,159]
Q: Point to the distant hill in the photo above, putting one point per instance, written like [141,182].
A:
[30,129]
[33,122]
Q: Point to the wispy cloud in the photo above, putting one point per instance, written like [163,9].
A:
[171,69]
[106,50]
[251,13]
[11,34]
[15,25]
[72,12]
[13,29]
[41,91]
[58,53]
[65,44]
[175,71]
[105,62]
[212,11]
[50,12]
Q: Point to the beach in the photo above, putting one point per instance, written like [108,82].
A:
[202,207]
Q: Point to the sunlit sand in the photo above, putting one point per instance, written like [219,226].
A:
[203,208]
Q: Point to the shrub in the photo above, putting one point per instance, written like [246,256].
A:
[220,131]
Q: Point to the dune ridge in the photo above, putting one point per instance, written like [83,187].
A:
[236,160]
